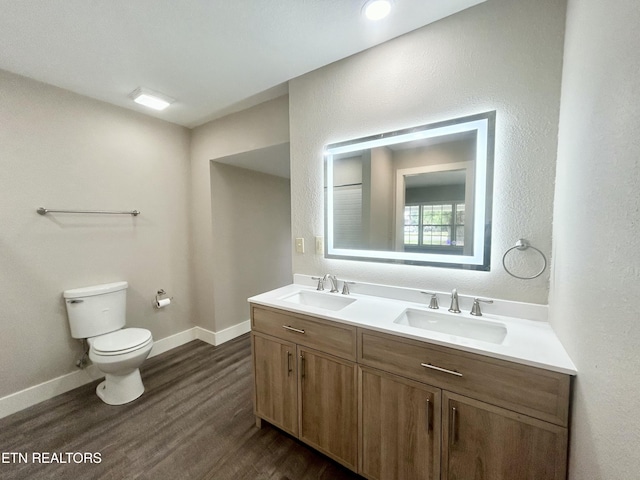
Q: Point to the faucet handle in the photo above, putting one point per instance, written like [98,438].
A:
[345,287]
[475,309]
[320,282]
[433,303]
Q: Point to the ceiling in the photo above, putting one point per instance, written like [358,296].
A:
[273,160]
[214,57]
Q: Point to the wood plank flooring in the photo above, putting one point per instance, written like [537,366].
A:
[194,421]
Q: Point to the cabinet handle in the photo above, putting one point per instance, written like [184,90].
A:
[301,365]
[297,330]
[289,369]
[452,434]
[428,415]
[440,369]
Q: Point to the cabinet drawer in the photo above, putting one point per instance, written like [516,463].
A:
[528,390]
[329,337]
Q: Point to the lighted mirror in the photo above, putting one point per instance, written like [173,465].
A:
[419,196]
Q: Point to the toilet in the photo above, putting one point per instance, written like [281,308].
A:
[98,313]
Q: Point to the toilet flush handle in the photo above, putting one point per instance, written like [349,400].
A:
[75,301]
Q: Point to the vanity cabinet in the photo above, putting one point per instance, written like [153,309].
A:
[400,428]
[486,442]
[328,406]
[306,380]
[393,408]
[480,438]
[276,382]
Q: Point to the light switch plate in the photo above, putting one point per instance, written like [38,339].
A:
[299,245]
[319,245]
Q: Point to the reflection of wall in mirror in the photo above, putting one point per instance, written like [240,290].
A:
[363,200]
[435,194]
[382,192]
[450,152]
[347,201]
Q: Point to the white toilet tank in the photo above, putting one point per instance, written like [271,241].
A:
[96,310]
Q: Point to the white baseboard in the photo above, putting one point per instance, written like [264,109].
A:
[173,341]
[38,393]
[218,338]
[30,396]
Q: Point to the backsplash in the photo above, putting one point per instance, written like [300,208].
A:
[527,311]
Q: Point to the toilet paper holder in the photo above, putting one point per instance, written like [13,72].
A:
[161,295]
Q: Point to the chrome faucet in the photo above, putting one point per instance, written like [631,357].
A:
[475,309]
[433,303]
[320,280]
[345,287]
[334,282]
[454,308]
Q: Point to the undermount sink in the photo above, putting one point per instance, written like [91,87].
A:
[328,301]
[476,329]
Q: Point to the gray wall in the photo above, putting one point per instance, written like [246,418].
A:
[435,194]
[595,286]
[502,55]
[381,231]
[62,150]
[251,216]
[262,126]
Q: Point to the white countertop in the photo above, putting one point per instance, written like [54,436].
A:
[528,342]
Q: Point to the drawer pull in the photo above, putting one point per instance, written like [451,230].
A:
[440,369]
[453,425]
[297,330]
[428,416]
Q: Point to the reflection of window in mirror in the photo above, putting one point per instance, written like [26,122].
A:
[431,227]
[434,201]
[434,212]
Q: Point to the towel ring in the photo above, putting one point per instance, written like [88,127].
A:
[522,245]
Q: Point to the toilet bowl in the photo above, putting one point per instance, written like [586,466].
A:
[119,355]
[97,314]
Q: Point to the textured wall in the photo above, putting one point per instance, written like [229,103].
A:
[262,126]
[251,215]
[62,150]
[595,287]
[504,55]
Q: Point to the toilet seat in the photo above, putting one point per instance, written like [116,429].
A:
[121,341]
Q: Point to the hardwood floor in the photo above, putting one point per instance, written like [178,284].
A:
[194,421]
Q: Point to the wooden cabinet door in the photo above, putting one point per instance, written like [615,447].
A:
[275,374]
[400,428]
[328,405]
[484,442]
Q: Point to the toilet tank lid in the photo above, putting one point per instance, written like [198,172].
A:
[95,290]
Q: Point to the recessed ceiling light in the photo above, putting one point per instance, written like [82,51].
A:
[376,9]
[151,99]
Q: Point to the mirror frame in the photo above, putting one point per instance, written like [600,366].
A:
[484,126]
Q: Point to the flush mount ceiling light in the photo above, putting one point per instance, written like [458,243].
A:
[376,9]
[151,99]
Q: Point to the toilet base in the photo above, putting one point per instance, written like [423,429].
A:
[120,389]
